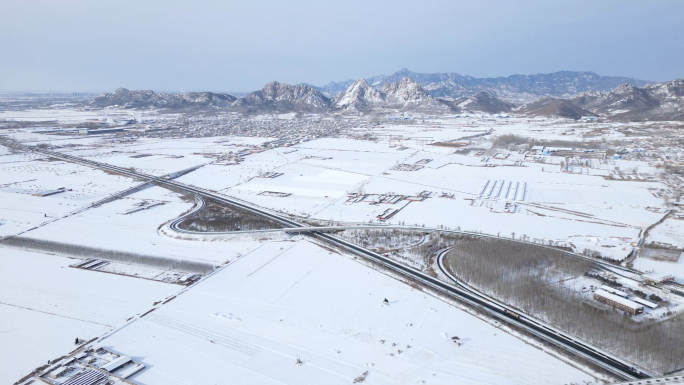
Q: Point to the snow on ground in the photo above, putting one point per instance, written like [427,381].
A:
[107,228]
[312,188]
[315,176]
[45,305]
[218,177]
[63,115]
[20,176]
[561,194]
[320,173]
[33,137]
[251,321]
[156,164]
[662,267]
[281,300]
[165,155]
[671,231]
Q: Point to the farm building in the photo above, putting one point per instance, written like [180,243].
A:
[116,364]
[645,303]
[615,291]
[49,192]
[618,302]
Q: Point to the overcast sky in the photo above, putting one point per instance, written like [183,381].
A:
[224,45]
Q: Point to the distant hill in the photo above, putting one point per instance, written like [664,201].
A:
[145,99]
[359,96]
[483,101]
[402,95]
[515,88]
[549,106]
[663,101]
[284,97]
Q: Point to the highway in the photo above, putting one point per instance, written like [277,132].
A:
[618,367]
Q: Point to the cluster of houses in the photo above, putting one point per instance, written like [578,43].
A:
[286,132]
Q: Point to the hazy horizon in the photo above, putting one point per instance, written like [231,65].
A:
[76,45]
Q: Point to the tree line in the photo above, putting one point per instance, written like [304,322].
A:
[526,277]
[217,217]
[162,263]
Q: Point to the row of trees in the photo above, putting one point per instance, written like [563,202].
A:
[522,275]
[401,245]
[415,248]
[67,249]
[383,238]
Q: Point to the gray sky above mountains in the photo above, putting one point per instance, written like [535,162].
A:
[224,45]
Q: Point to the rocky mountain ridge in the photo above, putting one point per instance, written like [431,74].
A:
[654,101]
[358,96]
[277,96]
[402,95]
[146,99]
[663,101]
[514,88]
[483,101]
[550,106]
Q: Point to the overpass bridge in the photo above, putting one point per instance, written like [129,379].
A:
[300,230]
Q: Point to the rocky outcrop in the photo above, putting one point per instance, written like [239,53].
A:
[482,102]
[664,101]
[283,97]
[552,107]
[515,88]
[124,98]
[360,96]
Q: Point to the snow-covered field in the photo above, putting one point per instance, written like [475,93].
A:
[554,206]
[546,203]
[250,323]
[164,156]
[64,115]
[21,176]
[107,228]
[45,305]
[278,297]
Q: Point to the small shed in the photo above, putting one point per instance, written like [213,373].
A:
[645,303]
[59,372]
[613,290]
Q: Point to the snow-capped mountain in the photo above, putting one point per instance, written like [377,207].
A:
[654,101]
[359,96]
[663,101]
[549,106]
[515,88]
[407,94]
[482,102]
[277,96]
[149,99]
[402,95]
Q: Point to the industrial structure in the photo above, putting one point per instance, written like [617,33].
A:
[618,302]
